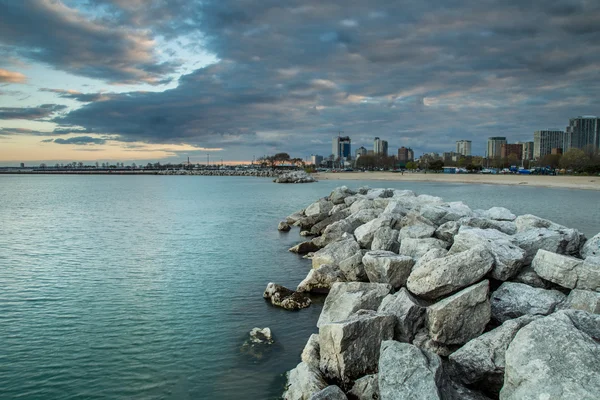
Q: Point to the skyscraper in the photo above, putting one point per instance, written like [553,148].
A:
[527,150]
[405,155]
[545,141]
[380,147]
[508,149]
[494,146]
[361,151]
[342,147]
[463,147]
[582,132]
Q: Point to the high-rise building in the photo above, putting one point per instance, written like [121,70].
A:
[463,147]
[527,152]
[545,141]
[342,147]
[494,146]
[582,132]
[380,147]
[316,159]
[405,155]
[508,149]
[361,151]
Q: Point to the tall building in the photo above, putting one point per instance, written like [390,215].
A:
[508,149]
[380,147]
[545,141]
[494,146]
[463,147]
[361,151]
[527,152]
[342,147]
[316,159]
[582,132]
[405,155]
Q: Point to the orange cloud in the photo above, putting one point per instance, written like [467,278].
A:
[11,77]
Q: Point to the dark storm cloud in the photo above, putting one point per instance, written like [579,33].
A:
[30,113]
[422,74]
[80,140]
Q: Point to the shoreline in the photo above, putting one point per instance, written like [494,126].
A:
[564,182]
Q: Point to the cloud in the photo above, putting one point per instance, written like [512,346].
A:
[75,95]
[80,140]
[30,113]
[11,77]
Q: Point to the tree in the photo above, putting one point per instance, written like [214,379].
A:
[550,160]
[574,159]
[411,165]
[436,165]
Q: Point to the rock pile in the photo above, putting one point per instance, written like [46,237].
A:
[434,300]
[256,172]
[294,177]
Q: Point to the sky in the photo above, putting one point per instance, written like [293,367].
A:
[164,80]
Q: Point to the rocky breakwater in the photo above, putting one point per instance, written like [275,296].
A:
[294,177]
[255,172]
[433,300]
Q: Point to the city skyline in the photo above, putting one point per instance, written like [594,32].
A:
[163,81]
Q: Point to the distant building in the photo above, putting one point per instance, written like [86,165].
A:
[545,141]
[527,151]
[582,132]
[556,151]
[370,152]
[361,151]
[463,147]
[508,149]
[380,147]
[316,159]
[22,165]
[342,147]
[405,155]
[450,156]
[494,146]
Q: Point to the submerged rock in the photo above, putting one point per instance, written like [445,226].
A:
[283,297]
[258,342]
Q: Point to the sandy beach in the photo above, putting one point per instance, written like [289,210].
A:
[568,182]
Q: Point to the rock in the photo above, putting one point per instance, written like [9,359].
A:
[415,248]
[417,231]
[306,223]
[481,360]
[551,358]
[529,277]
[258,335]
[585,300]
[353,268]
[258,342]
[561,242]
[407,372]
[335,252]
[338,194]
[321,206]
[291,219]
[310,354]
[499,214]
[337,208]
[455,391]
[425,199]
[283,297]
[350,348]
[429,256]
[303,382]
[295,177]
[306,233]
[345,299]
[320,280]
[423,341]
[362,204]
[568,272]
[385,238]
[408,312]
[365,233]
[528,221]
[387,267]
[304,248]
[591,247]
[508,227]
[508,257]
[441,213]
[365,388]
[380,193]
[513,300]
[442,276]
[395,208]
[447,231]
[330,393]
[363,216]
[460,317]
[283,226]
[320,226]
[335,232]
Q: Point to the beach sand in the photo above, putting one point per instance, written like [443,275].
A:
[568,182]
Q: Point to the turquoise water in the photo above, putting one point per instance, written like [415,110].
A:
[144,287]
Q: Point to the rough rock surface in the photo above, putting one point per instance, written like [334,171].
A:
[564,241]
[429,256]
[338,194]
[320,280]
[585,300]
[310,354]
[513,300]
[460,317]
[387,267]
[353,268]
[329,393]
[442,276]
[304,248]
[417,231]
[568,272]
[350,348]
[319,207]
[508,227]
[499,214]
[295,177]
[258,342]
[447,231]
[283,226]
[591,247]
[283,297]
[415,248]
[365,388]
[335,252]
[554,358]
[409,314]
[385,238]
[303,382]
[365,233]
[528,276]
[408,373]
[345,299]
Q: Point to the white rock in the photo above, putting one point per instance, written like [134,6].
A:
[417,231]
[319,207]
[364,234]
[310,354]
[568,272]
[408,312]
[303,382]
[320,280]
[385,238]
[499,214]
[335,252]
[591,247]
[416,248]
[387,267]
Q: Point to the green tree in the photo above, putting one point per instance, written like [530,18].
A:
[411,165]
[437,165]
[574,159]
[550,160]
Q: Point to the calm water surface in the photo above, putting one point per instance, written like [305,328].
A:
[145,287]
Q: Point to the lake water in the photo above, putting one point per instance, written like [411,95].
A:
[144,287]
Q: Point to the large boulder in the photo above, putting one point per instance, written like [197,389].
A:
[508,257]
[442,276]
[513,300]
[415,248]
[441,213]
[568,272]
[320,280]
[329,393]
[335,252]
[283,297]
[304,248]
[363,216]
[365,388]
[321,206]
[320,226]
[499,214]
[365,233]
[555,357]
[407,372]
[408,311]
[345,299]
[283,226]
[311,352]
[416,231]
[349,349]
[460,317]
[535,239]
[338,194]
[386,238]
[387,267]
[447,231]
[508,227]
[585,300]
[361,204]
[303,381]
[353,268]
[529,277]
[591,247]
[480,362]
[334,232]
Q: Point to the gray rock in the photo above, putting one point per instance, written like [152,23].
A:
[568,272]
[408,312]
[291,219]
[363,216]
[338,194]
[303,382]
[350,348]
[395,208]
[353,268]
[407,372]
[283,226]
[508,257]
[365,388]
[365,233]
[308,222]
[320,280]
[429,256]
[387,267]
[481,360]
[414,218]
[552,359]
[345,299]
[330,393]
[591,247]
[362,204]
[335,232]
[528,276]
[335,252]
[499,214]
[386,238]
[460,317]
[528,221]
[441,213]
[513,300]
[306,233]
[442,276]
[508,227]
[283,297]
[585,300]
[423,341]
[417,231]
[337,208]
[304,248]
[321,206]
[415,248]
[447,231]
[320,226]
[311,353]
[561,242]
[258,343]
